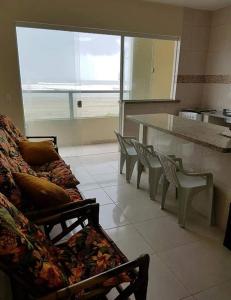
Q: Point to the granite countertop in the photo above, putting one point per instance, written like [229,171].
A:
[205,134]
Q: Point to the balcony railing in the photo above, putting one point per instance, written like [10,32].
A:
[70,104]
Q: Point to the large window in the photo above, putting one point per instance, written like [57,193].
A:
[68,75]
[74,75]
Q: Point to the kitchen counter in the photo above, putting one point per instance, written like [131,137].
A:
[205,134]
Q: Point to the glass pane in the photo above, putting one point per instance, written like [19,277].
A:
[149,66]
[45,106]
[99,61]
[95,105]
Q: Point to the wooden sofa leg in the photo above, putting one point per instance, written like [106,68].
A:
[141,292]
[139,287]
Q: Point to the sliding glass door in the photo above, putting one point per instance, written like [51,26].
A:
[73,82]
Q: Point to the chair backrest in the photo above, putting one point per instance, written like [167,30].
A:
[144,154]
[169,168]
[122,142]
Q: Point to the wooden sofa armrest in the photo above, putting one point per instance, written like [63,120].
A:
[89,211]
[139,285]
[36,215]
[79,216]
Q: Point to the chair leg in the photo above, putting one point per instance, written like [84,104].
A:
[139,173]
[154,178]
[122,161]
[183,202]
[164,192]
[130,164]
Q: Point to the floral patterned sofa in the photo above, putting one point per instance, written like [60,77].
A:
[87,266]
[11,160]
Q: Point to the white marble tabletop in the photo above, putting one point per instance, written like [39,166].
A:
[205,134]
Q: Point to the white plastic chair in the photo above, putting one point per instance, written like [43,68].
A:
[187,183]
[148,159]
[127,154]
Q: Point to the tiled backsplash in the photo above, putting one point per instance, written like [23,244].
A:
[205,59]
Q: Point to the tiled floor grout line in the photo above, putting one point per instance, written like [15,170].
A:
[87,155]
[211,287]
[154,252]
[172,271]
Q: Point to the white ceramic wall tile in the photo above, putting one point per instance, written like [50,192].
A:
[221,16]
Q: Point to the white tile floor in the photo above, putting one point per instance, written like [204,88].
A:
[185,263]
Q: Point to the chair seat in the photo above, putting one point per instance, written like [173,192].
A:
[188,181]
[131,151]
[154,162]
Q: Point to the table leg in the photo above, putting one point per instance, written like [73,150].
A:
[143,134]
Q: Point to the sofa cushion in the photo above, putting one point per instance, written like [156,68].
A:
[10,151]
[38,153]
[40,192]
[60,173]
[7,124]
[88,253]
[8,186]
[25,250]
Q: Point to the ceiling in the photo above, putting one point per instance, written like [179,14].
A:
[198,4]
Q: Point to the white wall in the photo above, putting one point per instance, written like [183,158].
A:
[217,94]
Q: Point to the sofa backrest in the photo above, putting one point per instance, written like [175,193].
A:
[7,124]
[11,161]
